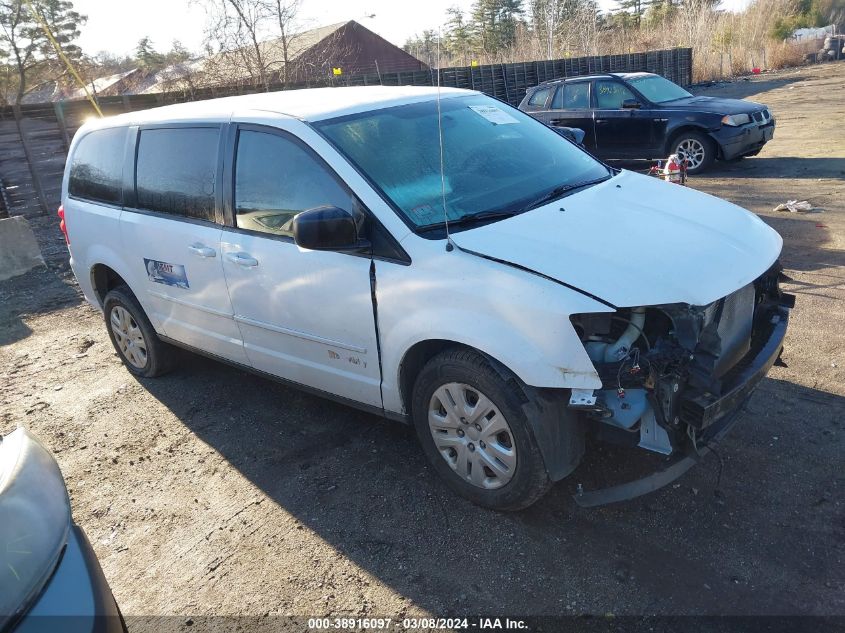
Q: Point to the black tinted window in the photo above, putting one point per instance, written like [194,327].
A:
[539,97]
[611,94]
[275,178]
[97,168]
[176,171]
[572,97]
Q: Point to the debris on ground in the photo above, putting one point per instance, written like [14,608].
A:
[794,206]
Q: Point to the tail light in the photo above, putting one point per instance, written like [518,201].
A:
[62,225]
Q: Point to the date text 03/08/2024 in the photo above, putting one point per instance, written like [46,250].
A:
[410,624]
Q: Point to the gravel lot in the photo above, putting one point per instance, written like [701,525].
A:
[211,491]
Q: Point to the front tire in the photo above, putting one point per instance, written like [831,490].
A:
[133,336]
[698,149]
[473,429]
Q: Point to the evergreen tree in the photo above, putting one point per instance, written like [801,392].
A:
[425,48]
[148,57]
[632,10]
[458,39]
[495,23]
[26,49]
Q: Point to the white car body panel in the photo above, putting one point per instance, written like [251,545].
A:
[636,241]
[520,319]
[201,315]
[90,220]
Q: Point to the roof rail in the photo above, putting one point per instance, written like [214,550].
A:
[560,79]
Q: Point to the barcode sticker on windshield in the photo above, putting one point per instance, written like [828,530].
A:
[494,114]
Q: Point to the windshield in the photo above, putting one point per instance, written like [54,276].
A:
[658,89]
[496,159]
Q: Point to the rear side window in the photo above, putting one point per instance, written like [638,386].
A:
[176,171]
[539,97]
[572,97]
[96,171]
[275,178]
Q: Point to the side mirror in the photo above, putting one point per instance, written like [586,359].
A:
[326,229]
[631,104]
[574,134]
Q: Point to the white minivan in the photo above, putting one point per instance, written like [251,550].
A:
[435,257]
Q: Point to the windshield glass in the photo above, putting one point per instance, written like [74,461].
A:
[658,89]
[496,159]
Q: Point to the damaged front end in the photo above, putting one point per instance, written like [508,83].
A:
[674,377]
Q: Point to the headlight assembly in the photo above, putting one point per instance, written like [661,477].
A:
[735,120]
[34,521]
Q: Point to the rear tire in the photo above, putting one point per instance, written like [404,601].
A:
[470,421]
[698,149]
[134,337]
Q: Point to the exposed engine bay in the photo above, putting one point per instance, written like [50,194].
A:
[669,372]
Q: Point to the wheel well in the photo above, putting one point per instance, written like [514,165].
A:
[686,128]
[104,279]
[414,360]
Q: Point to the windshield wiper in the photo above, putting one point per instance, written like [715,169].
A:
[557,192]
[483,216]
[472,218]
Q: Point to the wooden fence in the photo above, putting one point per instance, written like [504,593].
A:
[34,138]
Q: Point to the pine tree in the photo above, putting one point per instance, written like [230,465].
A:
[27,50]
[458,38]
[148,57]
[633,9]
[495,23]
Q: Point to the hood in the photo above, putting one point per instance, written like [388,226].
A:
[714,105]
[635,240]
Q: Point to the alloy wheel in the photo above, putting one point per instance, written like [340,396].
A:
[472,435]
[693,151]
[128,336]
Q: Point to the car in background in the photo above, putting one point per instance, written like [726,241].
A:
[50,579]
[645,116]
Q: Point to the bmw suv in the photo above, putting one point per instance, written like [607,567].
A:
[642,115]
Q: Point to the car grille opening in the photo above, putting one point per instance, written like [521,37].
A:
[735,320]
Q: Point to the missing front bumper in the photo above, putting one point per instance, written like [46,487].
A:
[672,471]
[717,414]
[702,410]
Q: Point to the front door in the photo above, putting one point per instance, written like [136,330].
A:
[171,234]
[306,316]
[620,132]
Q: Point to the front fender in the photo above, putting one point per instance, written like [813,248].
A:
[518,318]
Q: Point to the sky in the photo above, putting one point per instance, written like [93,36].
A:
[116,26]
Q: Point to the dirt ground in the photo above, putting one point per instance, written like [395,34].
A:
[211,491]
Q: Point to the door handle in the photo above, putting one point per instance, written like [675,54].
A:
[201,250]
[242,259]
[601,120]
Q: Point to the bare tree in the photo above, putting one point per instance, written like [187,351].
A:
[585,27]
[286,16]
[235,29]
[548,17]
[316,62]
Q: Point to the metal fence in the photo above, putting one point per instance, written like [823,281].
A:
[34,138]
